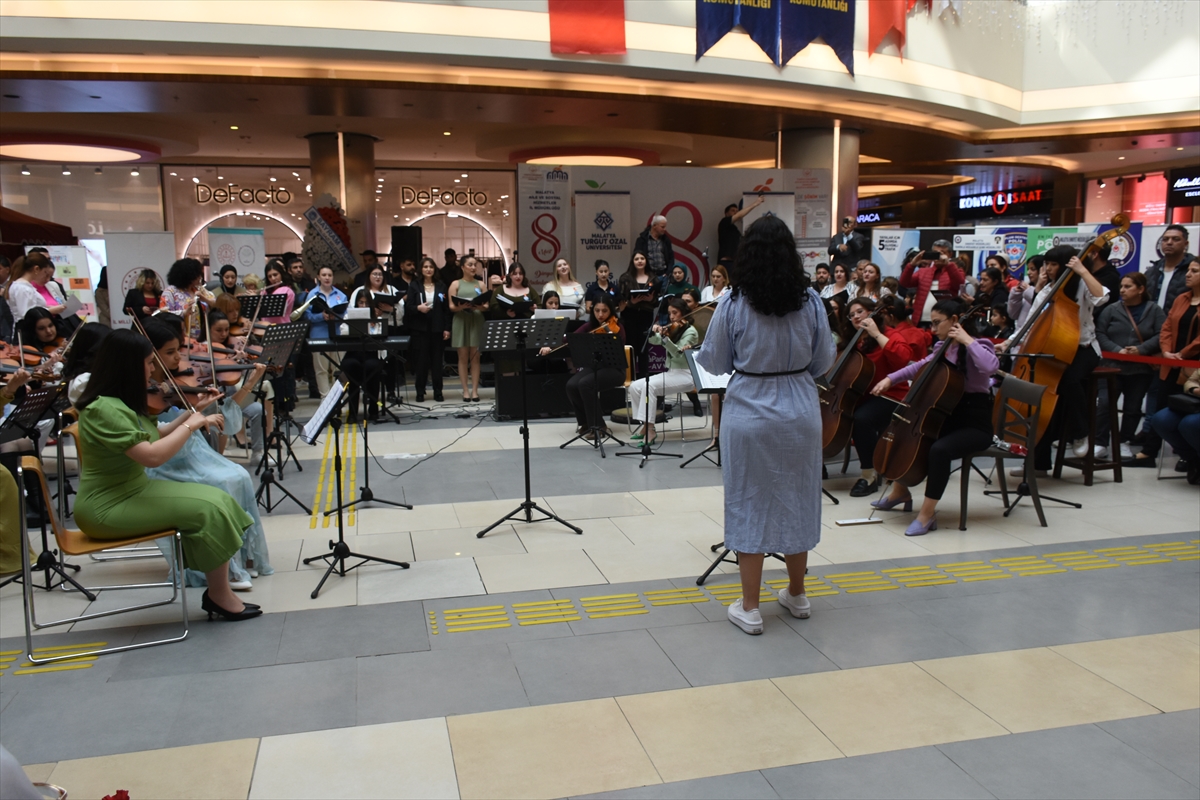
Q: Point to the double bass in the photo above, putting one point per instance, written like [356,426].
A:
[1053,329]
[845,384]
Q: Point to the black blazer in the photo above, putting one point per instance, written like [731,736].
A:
[439,317]
[134,302]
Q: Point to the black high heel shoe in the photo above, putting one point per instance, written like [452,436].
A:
[207,604]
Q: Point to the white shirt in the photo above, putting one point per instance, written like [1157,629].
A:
[22,296]
[1166,284]
[831,289]
[706,294]
[1088,303]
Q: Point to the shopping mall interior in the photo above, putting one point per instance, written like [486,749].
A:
[1014,654]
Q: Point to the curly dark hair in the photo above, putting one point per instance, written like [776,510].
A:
[767,269]
[184,272]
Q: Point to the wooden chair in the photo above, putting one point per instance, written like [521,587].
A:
[78,543]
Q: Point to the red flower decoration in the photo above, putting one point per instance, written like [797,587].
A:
[120,795]
[336,221]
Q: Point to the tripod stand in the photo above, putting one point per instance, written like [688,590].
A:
[512,334]
[725,559]
[339,551]
[365,493]
[277,346]
[646,452]
[266,472]
[605,353]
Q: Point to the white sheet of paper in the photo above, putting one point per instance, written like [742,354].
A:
[702,377]
[312,429]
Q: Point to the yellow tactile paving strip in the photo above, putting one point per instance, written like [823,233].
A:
[10,658]
[492,617]
[324,498]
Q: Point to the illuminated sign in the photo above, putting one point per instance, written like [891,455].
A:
[467,196]
[232,193]
[1006,202]
[1183,187]
[880,215]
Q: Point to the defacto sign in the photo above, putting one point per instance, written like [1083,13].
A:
[998,204]
[232,193]
[467,196]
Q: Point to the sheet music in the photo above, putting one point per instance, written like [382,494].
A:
[705,380]
[312,429]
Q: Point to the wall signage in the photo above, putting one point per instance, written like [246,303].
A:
[880,215]
[232,193]
[1183,187]
[1007,202]
[467,196]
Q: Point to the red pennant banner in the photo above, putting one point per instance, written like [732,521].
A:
[587,27]
[886,16]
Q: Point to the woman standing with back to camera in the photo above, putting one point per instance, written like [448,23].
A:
[772,333]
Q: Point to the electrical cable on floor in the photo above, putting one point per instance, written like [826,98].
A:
[479,421]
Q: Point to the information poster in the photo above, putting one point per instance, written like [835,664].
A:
[774,204]
[543,219]
[890,246]
[243,248]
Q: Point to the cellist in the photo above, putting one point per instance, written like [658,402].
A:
[1070,413]
[969,427]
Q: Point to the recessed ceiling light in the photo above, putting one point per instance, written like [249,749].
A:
[67,153]
[65,171]
[233,127]
[195,180]
[1178,148]
[296,174]
[1120,158]
[173,174]
[589,161]
[273,180]
[445,133]
[464,174]
[99,171]
[688,161]
[456,180]
[381,180]
[25,169]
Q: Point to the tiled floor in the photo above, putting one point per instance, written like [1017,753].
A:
[538,663]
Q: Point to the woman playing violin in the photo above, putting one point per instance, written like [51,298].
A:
[888,353]
[586,382]
[969,427]
[42,342]
[676,336]
[237,408]
[186,279]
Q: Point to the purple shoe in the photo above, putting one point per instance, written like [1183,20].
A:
[887,504]
[917,529]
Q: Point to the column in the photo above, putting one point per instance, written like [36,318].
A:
[344,166]
[813,148]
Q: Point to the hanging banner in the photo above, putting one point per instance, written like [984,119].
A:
[886,16]
[774,204]
[129,254]
[587,27]
[802,21]
[71,271]
[758,18]
[544,230]
[243,248]
[889,247]
[1013,240]
[714,19]
[601,231]
[1124,255]
[1042,239]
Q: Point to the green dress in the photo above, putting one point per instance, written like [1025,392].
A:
[116,499]
[467,330]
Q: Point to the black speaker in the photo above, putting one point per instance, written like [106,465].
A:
[406,243]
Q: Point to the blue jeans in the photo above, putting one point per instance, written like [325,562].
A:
[1183,433]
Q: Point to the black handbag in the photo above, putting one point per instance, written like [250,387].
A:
[1184,404]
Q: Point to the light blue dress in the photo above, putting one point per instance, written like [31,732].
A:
[770,426]
[197,462]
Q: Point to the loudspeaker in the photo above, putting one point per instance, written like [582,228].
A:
[406,243]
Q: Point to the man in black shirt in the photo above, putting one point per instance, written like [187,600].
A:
[450,271]
[1107,274]
[848,247]
[728,235]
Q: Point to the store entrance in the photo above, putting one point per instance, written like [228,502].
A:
[278,236]
[464,235]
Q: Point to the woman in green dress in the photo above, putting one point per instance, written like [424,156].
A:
[467,331]
[117,500]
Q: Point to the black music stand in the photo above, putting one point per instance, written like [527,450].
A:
[725,559]
[507,335]
[24,418]
[260,306]
[278,343]
[706,383]
[601,350]
[329,413]
[362,331]
[646,452]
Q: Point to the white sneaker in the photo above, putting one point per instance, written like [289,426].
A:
[1100,453]
[798,604]
[240,586]
[1126,451]
[749,621]
[1080,447]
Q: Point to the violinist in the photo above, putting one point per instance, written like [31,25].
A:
[583,386]
[42,342]
[639,294]
[680,335]
[1070,413]
[184,292]
[888,353]
[78,366]
[428,318]
[145,296]
[237,408]
[116,497]
[969,427]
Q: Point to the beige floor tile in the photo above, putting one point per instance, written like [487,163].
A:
[285,554]
[893,707]
[649,561]
[39,773]
[590,506]
[290,591]
[597,534]
[551,570]
[689,734]
[977,536]
[396,760]
[548,751]
[423,580]
[483,512]
[1192,636]
[1163,670]
[474,444]
[668,501]
[659,528]
[420,518]
[172,774]
[284,527]
[165,614]
[393,546]
[1029,690]
[726,568]
[864,542]
[464,543]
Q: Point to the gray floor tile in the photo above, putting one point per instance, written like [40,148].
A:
[589,667]
[920,773]
[514,633]
[1172,740]
[370,630]
[655,616]
[208,648]
[1133,608]
[81,722]
[103,669]
[437,683]
[742,785]
[1081,761]
[265,701]
[866,636]
[718,652]
[993,622]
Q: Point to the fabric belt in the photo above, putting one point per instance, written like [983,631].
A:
[770,374]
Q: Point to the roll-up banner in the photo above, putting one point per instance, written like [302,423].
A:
[774,204]
[1148,253]
[128,254]
[802,21]
[601,232]
[889,246]
[544,223]
[243,248]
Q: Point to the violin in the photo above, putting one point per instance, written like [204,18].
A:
[610,326]
[847,381]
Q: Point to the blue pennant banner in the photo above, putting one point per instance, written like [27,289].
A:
[806,20]
[714,19]
[759,18]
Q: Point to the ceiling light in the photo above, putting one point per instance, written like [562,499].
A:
[86,153]
[452,215]
[503,197]
[173,174]
[219,177]
[688,161]
[395,216]
[133,173]
[871,190]
[445,133]
[1119,181]
[195,180]
[65,170]
[456,180]
[588,161]
[381,180]
[1141,177]
[99,171]
[464,174]
[233,127]
[1178,148]
[1102,184]
[1120,158]
[273,180]
[308,187]
[25,169]
[296,174]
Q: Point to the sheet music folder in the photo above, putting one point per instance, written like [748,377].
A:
[704,381]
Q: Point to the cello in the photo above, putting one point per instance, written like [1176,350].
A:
[1053,329]
[845,384]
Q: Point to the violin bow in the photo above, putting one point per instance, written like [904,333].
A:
[166,372]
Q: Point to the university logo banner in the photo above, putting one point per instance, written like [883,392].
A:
[602,230]
[802,21]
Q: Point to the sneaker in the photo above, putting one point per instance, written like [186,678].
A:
[749,621]
[1126,451]
[798,605]
[1182,465]
[1100,453]
[240,586]
[1080,447]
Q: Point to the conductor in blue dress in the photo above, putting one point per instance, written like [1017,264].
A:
[771,333]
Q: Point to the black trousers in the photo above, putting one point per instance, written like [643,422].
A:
[1132,390]
[582,388]
[428,355]
[968,430]
[284,385]
[1070,413]
[871,418]
[1165,389]
[364,369]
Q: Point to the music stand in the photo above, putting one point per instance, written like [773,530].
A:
[329,413]
[24,418]
[706,383]
[260,306]
[645,452]
[277,345]
[602,351]
[507,335]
